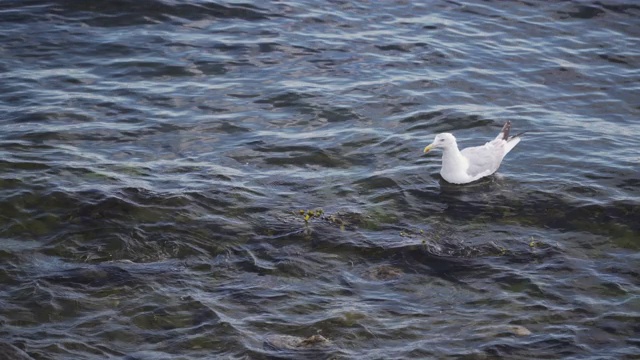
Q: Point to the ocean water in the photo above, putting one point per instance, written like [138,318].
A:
[245,180]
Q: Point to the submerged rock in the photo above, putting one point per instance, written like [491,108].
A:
[288,342]
[95,276]
[9,351]
[518,330]
[348,219]
[149,355]
[503,330]
[314,340]
[384,272]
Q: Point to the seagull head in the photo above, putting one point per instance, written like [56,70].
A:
[443,140]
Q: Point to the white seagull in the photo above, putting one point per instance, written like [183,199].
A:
[473,163]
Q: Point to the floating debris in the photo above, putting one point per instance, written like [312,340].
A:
[309,214]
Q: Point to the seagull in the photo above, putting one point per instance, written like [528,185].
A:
[472,163]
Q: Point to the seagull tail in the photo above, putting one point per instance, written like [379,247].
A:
[512,142]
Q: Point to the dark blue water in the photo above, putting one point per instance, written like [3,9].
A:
[158,160]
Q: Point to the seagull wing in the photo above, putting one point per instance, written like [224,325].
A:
[484,160]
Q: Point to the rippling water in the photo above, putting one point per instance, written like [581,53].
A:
[158,159]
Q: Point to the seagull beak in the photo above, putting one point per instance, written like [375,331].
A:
[428,148]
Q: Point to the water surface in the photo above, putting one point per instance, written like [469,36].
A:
[155,158]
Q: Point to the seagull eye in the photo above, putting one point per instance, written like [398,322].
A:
[441,139]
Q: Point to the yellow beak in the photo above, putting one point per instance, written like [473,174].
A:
[428,148]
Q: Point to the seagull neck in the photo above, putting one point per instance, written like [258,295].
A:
[451,155]
[452,152]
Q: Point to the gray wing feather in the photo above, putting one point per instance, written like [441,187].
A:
[484,159]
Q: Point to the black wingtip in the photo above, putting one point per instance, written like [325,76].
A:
[518,134]
[505,130]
